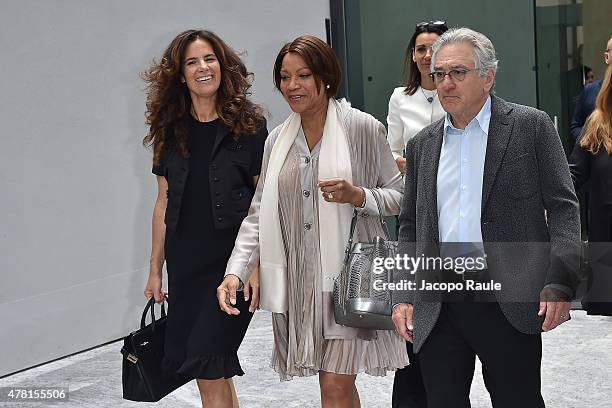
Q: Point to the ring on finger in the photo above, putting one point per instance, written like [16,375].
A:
[330,195]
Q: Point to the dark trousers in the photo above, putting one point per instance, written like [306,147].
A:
[408,387]
[510,359]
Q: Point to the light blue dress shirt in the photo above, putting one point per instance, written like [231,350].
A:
[459,179]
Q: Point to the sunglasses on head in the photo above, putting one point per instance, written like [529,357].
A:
[431,24]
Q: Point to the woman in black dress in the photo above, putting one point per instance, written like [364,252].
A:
[591,160]
[208,140]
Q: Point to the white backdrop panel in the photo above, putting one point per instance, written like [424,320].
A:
[76,185]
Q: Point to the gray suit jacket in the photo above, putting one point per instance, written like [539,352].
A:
[527,197]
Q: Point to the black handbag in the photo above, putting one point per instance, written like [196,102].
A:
[357,301]
[143,376]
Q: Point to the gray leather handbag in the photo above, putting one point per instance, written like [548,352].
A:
[360,297]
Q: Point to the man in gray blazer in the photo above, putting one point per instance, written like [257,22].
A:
[491,176]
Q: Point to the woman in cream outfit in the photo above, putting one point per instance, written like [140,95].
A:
[324,161]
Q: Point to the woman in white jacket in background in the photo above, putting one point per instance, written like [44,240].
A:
[415,104]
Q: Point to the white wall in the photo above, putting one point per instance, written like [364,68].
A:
[75,183]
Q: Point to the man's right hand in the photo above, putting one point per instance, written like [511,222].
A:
[226,294]
[402,318]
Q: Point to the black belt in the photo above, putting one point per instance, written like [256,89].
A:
[477,275]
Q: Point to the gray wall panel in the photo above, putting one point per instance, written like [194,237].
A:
[77,191]
[386,27]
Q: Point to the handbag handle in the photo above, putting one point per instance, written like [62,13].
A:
[149,305]
[349,245]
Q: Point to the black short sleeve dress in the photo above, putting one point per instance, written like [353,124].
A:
[201,340]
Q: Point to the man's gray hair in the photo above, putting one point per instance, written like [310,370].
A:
[484,52]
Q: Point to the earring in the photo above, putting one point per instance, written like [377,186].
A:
[327,86]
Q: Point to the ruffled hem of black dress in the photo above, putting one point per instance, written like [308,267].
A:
[206,367]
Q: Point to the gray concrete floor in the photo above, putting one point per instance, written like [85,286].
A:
[576,372]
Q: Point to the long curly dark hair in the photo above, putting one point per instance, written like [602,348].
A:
[169,101]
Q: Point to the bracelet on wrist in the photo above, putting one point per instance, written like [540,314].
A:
[363,203]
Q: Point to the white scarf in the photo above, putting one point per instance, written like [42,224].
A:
[334,218]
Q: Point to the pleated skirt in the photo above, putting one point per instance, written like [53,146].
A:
[302,344]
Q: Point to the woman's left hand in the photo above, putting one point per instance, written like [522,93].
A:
[251,288]
[338,190]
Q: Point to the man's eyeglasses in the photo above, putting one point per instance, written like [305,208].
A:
[432,24]
[453,74]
